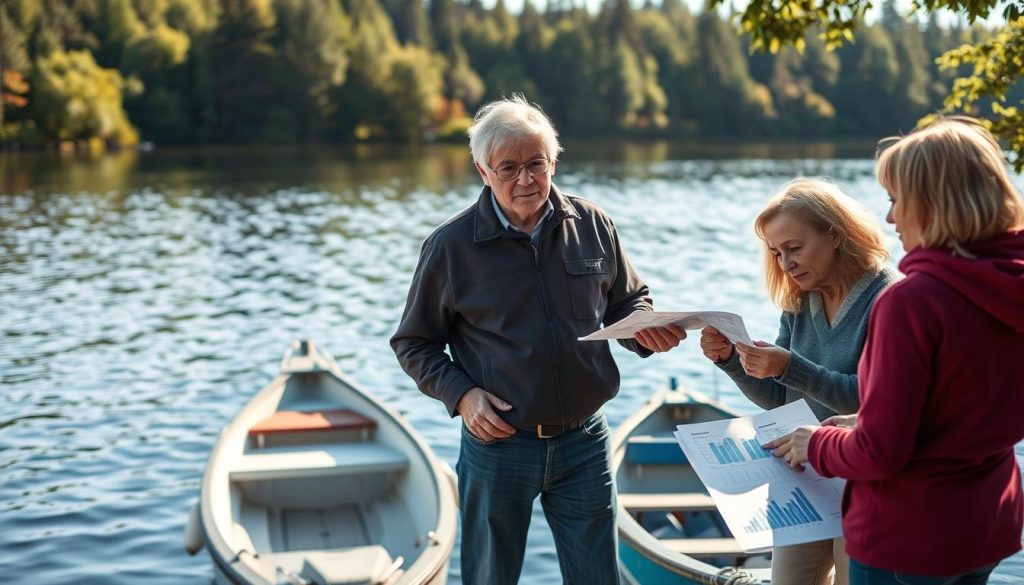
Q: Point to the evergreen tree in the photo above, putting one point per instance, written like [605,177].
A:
[311,42]
[413,87]
[870,79]
[412,25]
[241,55]
[117,26]
[723,98]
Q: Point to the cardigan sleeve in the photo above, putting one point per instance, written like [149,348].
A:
[836,390]
[767,393]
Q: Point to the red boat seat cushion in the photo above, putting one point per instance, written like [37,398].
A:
[299,421]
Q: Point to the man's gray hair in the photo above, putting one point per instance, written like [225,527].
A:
[509,121]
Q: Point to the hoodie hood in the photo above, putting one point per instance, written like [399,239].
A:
[994,280]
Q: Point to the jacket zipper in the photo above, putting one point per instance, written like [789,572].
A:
[549,325]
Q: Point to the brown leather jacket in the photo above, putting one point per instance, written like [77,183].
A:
[510,314]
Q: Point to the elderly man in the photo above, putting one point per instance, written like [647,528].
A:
[507,286]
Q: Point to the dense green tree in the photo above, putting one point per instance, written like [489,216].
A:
[117,25]
[412,25]
[371,45]
[567,80]
[312,61]
[76,99]
[869,81]
[413,87]
[444,25]
[193,17]
[241,55]
[535,36]
[723,96]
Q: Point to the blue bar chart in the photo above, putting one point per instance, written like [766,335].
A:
[764,502]
[797,511]
[728,451]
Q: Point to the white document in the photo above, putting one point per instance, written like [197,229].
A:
[730,324]
[764,502]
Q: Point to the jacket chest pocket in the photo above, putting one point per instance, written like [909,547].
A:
[588,282]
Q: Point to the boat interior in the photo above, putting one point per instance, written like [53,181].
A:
[662,492]
[322,492]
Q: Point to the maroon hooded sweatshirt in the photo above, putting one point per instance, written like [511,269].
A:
[934,487]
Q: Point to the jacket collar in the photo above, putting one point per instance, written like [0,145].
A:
[487,226]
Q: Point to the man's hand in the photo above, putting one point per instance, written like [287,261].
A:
[476,407]
[763,360]
[793,447]
[659,339]
[716,347]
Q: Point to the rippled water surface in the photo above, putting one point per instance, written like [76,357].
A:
[144,297]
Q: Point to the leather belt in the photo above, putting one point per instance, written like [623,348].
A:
[551,431]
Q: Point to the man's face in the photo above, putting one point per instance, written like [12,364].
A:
[523,197]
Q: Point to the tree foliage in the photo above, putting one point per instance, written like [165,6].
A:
[190,71]
[994,66]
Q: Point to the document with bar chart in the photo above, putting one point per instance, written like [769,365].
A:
[764,502]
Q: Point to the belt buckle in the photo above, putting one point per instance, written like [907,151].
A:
[541,435]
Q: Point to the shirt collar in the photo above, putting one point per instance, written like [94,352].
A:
[504,220]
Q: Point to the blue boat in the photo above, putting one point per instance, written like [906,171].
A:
[669,529]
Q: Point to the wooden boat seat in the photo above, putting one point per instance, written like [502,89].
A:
[361,565]
[299,421]
[355,565]
[318,461]
[705,547]
[654,450]
[668,502]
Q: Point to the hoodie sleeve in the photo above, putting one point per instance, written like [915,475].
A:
[895,375]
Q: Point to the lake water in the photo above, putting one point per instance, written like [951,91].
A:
[144,297]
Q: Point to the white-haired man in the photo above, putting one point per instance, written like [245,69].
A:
[507,286]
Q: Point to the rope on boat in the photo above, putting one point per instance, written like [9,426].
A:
[734,576]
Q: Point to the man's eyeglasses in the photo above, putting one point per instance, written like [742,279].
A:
[510,172]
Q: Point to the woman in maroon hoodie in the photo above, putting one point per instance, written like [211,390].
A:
[934,492]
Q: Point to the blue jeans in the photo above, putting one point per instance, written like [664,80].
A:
[498,482]
[861,574]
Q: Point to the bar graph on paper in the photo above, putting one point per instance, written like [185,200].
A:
[728,451]
[797,510]
[762,500]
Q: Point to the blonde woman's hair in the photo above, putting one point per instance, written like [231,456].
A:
[823,206]
[952,177]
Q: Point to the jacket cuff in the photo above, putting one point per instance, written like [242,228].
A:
[451,395]
[635,347]
[798,373]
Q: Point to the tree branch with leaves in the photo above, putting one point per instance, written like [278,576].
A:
[997,64]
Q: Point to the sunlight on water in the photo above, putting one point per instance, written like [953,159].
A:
[146,297]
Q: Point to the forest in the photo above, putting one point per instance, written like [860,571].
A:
[119,72]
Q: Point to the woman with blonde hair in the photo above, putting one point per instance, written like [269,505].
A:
[934,492]
[823,263]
